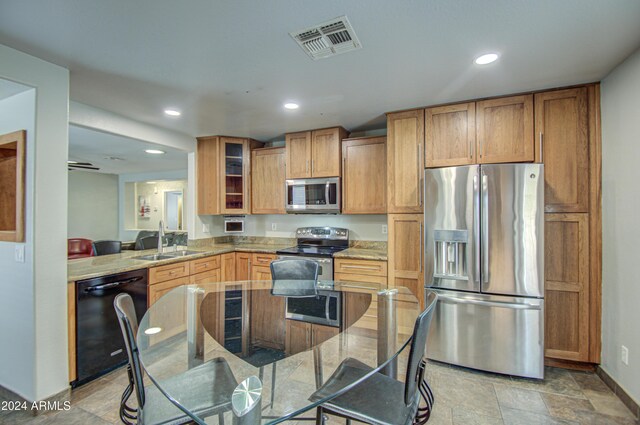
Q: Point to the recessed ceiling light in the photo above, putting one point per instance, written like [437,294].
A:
[291,105]
[154,151]
[172,112]
[152,331]
[486,59]
[152,182]
[72,162]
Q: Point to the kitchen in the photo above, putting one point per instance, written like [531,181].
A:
[571,218]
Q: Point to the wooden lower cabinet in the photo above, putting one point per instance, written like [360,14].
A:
[567,286]
[211,276]
[228,267]
[243,266]
[267,312]
[405,253]
[302,336]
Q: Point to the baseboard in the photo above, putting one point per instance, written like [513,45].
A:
[620,392]
[570,364]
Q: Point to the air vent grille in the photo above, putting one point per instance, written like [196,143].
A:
[327,39]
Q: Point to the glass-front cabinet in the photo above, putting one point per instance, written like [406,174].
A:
[235,178]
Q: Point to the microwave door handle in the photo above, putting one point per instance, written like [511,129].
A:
[326,309]
[326,193]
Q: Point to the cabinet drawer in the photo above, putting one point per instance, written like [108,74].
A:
[204,264]
[206,277]
[262,259]
[168,272]
[360,278]
[364,267]
[159,289]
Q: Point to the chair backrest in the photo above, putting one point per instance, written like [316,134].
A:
[79,247]
[145,234]
[107,247]
[148,242]
[418,347]
[126,312]
[294,278]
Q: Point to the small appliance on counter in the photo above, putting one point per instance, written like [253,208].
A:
[484,239]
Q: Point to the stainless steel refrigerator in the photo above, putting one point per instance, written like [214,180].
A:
[484,240]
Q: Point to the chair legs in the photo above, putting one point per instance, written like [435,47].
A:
[128,414]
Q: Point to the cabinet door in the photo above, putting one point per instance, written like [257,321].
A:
[298,337]
[567,286]
[321,333]
[267,315]
[405,256]
[364,182]
[450,135]
[207,277]
[243,266]
[405,161]
[562,127]
[228,267]
[234,175]
[267,181]
[325,152]
[298,147]
[504,130]
[207,184]
[171,321]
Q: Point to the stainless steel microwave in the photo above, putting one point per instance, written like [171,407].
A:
[319,196]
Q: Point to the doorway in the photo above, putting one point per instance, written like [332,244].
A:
[173,210]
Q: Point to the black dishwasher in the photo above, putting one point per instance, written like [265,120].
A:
[99,344]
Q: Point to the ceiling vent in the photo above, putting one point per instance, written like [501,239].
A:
[327,39]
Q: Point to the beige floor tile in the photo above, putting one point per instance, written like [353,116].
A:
[608,404]
[566,407]
[452,390]
[521,417]
[463,416]
[590,381]
[556,381]
[518,398]
[597,418]
[104,402]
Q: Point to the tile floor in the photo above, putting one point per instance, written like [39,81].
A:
[462,397]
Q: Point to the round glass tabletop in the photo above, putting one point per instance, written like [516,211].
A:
[261,350]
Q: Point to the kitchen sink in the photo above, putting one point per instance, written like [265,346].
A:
[154,257]
[181,253]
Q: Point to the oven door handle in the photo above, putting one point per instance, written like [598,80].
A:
[112,284]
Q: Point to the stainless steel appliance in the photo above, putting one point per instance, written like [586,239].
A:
[313,196]
[99,344]
[318,244]
[323,309]
[484,239]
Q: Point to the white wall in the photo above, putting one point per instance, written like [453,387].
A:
[16,320]
[33,324]
[620,104]
[127,209]
[362,227]
[93,205]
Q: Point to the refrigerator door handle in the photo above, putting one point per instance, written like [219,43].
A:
[485,228]
[476,227]
[518,306]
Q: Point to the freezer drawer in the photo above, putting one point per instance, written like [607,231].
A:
[492,333]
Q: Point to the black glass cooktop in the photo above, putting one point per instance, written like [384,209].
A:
[317,251]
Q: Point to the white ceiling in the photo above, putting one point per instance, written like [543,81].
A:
[230,65]
[87,145]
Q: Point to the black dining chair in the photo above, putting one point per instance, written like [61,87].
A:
[208,386]
[380,399]
[294,278]
[107,247]
[146,234]
[148,242]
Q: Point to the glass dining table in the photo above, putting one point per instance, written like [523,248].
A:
[280,345]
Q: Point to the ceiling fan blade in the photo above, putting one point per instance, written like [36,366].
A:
[82,167]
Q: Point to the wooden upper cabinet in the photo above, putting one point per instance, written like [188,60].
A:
[450,135]
[405,262]
[267,181]
[314,153]
[325,152]
[405,161]
[298,151]
[562,127]
[567,286]
[207,185]
[364,183]
[504,130]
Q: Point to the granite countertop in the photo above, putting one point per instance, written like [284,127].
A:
[362,254]
[90,267]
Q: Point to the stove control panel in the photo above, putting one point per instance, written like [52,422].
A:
[322,233]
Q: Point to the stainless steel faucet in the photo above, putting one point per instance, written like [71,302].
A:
[160,237]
